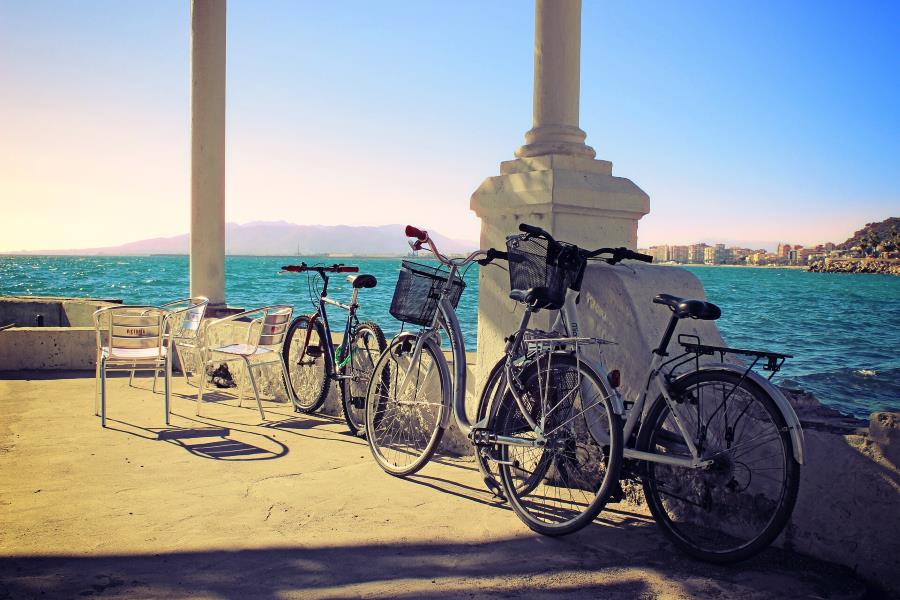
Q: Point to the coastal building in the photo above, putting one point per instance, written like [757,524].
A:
[660,254]
[783,250]
[715,255]
[696,254]
[679,254]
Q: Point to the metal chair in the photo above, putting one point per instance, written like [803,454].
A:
[130,338]
[183,332]
[261,346]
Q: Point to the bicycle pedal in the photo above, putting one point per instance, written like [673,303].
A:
[494,487]
[616,494]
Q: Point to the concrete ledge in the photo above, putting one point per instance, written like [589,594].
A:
[47,348]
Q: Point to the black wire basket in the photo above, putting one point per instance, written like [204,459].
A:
[549,268]
[418,292]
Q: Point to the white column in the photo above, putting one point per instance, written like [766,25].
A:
[557,79]
[208,150]
[555,182]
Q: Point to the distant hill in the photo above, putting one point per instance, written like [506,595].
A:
[873,233]
[279,238]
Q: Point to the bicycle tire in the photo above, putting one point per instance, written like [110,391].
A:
[311,380]
[573,476]
[390,421]
[355,388]
[686,510]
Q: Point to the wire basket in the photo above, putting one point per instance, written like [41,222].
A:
[550,268]
[418,292]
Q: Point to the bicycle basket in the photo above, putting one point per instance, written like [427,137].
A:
[550,268]
[418,292]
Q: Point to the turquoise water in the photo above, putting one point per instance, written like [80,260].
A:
[843,329]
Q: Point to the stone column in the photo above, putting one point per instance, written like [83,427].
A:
[208,150]
[554,183]
[557,81]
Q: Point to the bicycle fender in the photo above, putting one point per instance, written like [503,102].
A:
[787,411]
[444,372]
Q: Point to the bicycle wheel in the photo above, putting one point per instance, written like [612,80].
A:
[562,486]
[405,405]
[365,348]
[736,507]
[309,375]
[487,407]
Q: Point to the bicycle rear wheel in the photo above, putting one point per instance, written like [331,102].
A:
[365,348]
[405,405]
[560,487]
[735,508]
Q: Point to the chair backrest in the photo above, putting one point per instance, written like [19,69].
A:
[184,323]
[130,328]
[273,326]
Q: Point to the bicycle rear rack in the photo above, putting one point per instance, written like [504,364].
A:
[540,341]
[694,349]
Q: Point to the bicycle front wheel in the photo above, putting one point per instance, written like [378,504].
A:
[736,507]
[308,362]
[561,486]
[405,405]
[365,348]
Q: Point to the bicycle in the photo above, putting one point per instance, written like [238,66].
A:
[719,449]
[312,359]
[543,436]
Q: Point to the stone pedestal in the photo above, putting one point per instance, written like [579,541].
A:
[573,197]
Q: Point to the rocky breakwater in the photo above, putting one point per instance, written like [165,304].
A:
[883,266]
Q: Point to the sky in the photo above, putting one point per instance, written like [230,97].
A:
[745,122]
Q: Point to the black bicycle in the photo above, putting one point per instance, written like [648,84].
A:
[312,359]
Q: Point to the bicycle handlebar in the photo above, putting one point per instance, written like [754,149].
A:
[618,255]
[335,268]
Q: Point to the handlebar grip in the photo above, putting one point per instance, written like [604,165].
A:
[415,232]
[526,228]
[294,268]
[493,254]
[642,257]
[345,269]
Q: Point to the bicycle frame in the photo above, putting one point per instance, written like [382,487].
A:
[656,384]
[321,313]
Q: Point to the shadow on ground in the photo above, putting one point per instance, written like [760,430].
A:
[528,566]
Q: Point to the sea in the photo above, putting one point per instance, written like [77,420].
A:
[842,329]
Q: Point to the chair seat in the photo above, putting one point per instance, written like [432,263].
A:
[242,350]
[135,353]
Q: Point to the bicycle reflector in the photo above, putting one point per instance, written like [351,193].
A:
[614,378]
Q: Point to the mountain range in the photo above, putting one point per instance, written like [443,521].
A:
[279,238]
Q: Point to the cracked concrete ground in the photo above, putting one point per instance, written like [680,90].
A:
[220,506]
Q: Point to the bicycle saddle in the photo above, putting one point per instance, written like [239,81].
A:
[362,281]
[695,309]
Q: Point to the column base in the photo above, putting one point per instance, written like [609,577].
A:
[577,199]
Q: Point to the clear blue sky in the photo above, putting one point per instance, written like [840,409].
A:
[749,122]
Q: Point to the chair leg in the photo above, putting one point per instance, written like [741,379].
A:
[168,385]
[156,374]
[131,377]
[200,387]
[180,356]
[262,413]
[287,382]
[97,388]
[243,386]
[102,370]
